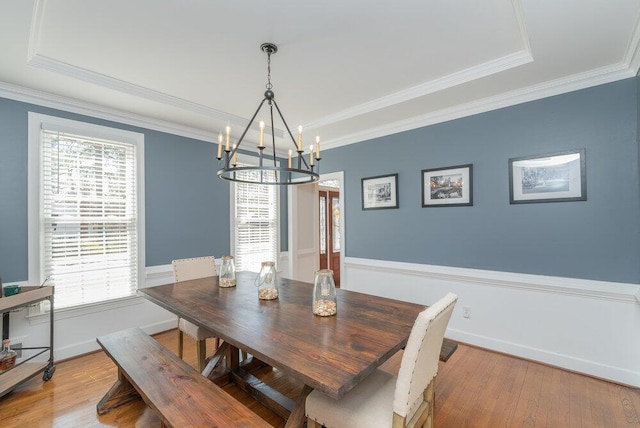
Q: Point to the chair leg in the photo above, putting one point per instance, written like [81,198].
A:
[201,348]
[430,396]
[180,343]
[312,424]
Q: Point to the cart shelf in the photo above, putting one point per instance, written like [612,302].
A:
[27,369]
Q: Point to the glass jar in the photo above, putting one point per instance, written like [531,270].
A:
[266,281]
[227,273]
[7,356]
[324,294]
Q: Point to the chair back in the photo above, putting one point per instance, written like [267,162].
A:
[194,268]
[420,359]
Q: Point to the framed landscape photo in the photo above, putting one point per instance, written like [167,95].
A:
[445,187]
[555,177]
[380,192]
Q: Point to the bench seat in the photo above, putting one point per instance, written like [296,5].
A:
[180,395]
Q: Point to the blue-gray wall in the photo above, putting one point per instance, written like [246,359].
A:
[187,206]
[596,239]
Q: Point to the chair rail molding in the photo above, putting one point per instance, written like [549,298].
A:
[553,320]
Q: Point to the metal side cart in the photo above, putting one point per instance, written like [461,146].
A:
[33,358]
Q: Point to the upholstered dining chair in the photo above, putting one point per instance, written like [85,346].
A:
[385,400]
[185,270]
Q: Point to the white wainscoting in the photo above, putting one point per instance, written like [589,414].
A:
[76,329]
[592,327]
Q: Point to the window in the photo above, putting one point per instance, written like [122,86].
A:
[86,219]
[255,213]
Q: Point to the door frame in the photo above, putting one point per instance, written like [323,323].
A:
[338,176]
[292,201]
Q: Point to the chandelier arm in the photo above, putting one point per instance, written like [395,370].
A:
[293,140]
[233,152]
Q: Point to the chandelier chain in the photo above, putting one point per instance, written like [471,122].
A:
[269,85]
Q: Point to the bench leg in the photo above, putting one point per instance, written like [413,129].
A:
[120,393]
[180,343]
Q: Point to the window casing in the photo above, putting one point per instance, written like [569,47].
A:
[86,228]
[254,217]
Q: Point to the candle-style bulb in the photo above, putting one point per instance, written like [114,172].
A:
[261,134]
[235,156]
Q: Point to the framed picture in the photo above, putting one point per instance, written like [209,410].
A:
[380,192]
[445,187]
[555,177]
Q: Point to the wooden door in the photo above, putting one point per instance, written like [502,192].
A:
[329,232]
[323,233]
[334,246]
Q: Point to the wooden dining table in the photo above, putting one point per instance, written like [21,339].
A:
[331,354]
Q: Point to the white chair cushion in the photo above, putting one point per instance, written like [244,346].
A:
[420,359]
[193,330]
[369,404]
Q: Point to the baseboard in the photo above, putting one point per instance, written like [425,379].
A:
[601,371]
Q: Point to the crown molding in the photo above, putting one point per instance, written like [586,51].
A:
[548,89]
[629,67]
[515,59]
[632,54]
[71,105]
[43,62]
[52,65]
[451,80]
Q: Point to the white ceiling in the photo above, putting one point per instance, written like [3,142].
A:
[346,70]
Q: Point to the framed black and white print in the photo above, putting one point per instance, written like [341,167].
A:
[380,192]
[555,177]
[449,186]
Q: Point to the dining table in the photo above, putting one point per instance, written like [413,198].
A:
[331,354]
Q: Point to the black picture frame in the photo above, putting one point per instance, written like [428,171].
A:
[553,177]
[450,186]
[380,192]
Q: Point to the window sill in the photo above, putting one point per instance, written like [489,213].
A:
[78,311]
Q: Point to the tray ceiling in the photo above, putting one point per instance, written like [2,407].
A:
[348,71]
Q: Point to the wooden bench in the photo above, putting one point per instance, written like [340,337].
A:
[175,390]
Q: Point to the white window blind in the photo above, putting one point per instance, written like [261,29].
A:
[89,235]
[256,224]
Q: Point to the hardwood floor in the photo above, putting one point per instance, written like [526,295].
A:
[475,388]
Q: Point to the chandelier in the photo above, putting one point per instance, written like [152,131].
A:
[297,171]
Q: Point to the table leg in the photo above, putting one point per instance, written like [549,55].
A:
[216,359]
[233,358]
[297,417]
